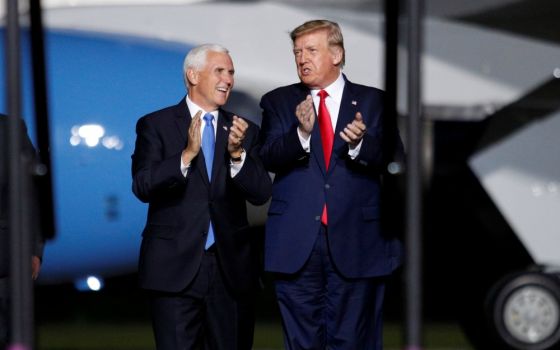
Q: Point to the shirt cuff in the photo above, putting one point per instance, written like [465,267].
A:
[235,168]
[185,168]
[353,153]
[305,144]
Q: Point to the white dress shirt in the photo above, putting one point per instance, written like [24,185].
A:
[194,108]
[332,101]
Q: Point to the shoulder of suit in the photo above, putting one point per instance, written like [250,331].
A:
[284,90]
[162,114]
[4,122]
[364,88]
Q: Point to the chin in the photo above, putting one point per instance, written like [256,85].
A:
[220,101]
[306,80]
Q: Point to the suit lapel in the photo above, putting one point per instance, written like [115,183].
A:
[222,133]
[348,108]
[301,93]
[183,119]
[317,145]
[183,122]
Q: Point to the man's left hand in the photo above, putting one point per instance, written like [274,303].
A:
[354,132]
[236,136]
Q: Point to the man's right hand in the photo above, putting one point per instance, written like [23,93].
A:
[35,267]
[194,142]
[305,113]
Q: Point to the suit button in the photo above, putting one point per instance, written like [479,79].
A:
[327,186]
[317,218]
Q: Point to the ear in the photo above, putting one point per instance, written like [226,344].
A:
[336,55]
[192,76]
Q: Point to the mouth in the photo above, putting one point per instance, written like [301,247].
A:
[223,89]
[305,70]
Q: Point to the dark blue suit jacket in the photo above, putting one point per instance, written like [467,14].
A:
[28,150]
[351,188]
[180,208]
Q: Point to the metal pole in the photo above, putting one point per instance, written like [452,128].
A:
[44,178]
[391,9]
[413,268]
[20,256]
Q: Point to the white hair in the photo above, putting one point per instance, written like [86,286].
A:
[196,58]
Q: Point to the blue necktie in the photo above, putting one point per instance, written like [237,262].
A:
[208,144]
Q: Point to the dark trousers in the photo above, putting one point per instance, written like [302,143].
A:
[203,316]
[4,315]
[321,309]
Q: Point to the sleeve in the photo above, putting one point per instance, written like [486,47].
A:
[152,174]
[281,147]
[253,179]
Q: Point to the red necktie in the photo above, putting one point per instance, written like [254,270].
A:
[327,137]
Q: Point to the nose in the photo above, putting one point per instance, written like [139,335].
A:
[301,58]
[228,79]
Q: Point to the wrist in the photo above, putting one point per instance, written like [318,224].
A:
[302,133]
[236,155]
[187,156]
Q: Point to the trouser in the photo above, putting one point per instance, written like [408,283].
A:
[4,315]
[321,309]
[203,316]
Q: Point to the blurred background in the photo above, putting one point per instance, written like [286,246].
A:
[490,95]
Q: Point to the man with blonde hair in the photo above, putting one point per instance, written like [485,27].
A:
[322,137]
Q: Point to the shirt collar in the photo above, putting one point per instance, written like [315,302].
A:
[334,90]
[194,108]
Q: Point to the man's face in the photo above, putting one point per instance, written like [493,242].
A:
[316,62]
[212,84]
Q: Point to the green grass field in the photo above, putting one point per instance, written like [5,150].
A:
[268,336]
[118,319]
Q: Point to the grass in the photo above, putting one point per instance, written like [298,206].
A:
[268,336]
[118,319]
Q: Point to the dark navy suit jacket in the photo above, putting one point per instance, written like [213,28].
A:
[180,208]
[35,227]
[351,187]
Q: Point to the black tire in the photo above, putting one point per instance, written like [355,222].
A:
[524,311]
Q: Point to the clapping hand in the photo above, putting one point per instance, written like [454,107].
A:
[354,131]
[236,136]
[305,113]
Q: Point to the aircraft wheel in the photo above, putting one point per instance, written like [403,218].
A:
[524,311]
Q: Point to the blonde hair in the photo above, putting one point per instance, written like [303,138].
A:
[334,34]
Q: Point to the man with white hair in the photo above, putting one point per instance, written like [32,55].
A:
[196,165]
